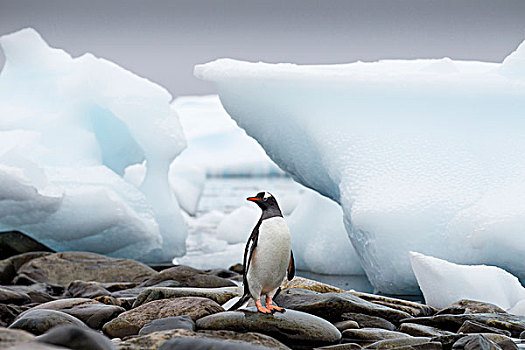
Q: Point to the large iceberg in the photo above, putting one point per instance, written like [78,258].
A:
[424,155]
[69,128]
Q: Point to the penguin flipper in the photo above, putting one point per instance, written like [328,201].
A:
[239,303]
[291,267]
[248,253]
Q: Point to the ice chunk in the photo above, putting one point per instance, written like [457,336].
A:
[216,143]
[409,148]
[444,283]
[186,182]
[237,226]
[71,126]
[319,239]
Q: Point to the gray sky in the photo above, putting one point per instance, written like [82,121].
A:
[162,40]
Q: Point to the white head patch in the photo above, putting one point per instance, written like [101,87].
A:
[267,195]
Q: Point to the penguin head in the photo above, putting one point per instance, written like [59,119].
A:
[265,201]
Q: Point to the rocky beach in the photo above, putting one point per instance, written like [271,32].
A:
[81,300]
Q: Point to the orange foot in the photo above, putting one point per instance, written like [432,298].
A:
[261,308]
[274,308]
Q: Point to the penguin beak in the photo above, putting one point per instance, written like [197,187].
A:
[253,199]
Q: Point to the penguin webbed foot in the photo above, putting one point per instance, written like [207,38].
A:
[275,308]
[262,309]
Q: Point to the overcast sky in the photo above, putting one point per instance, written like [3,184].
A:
[162,40]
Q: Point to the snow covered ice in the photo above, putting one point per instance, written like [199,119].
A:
[444,283]
[422,155]
[69,128]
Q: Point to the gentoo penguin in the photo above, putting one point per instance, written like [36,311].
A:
[267,256]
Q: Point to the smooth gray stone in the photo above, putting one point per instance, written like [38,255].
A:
[367,321]
[163,324]
[208,344]
[514,324]
[371,335]
[77,338]
[189,277]
[289,326]
[91,312]
[331,306]
[419,330]
[219,295]
[40,321]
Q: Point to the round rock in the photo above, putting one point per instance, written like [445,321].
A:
[194,307]
[91,312]
[64,268]
[290,326]
[164,324]
[40,321]
[78,338]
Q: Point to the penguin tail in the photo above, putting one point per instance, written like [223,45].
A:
[239,303]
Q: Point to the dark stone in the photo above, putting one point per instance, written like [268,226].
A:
[475,342]
[82,289]
[370,335]
[419,330]
[410,307]
[289,327]
[346,346]
[237,268]
[156,339]
[420,343]
[35,293]
[163,324]
[64,268]
[470,307]
[8,296]
[514,324]
[219,295]
[118,286]
[223,273]
[40,321]
[7,271]
[506,343]
[331,306]
[475,327]
[207,344]
[16,242]
[348,324]
[91,312]
[77,338]
[8,313]
[188,277]
[366,321]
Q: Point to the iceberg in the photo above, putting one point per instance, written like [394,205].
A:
[216,144]
[444,283]
[69,128]
[320,243]
[422,155]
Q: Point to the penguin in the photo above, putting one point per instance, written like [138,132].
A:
[267,257]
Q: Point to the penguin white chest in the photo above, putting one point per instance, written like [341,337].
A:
[271,256]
